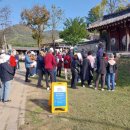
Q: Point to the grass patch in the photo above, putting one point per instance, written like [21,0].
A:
[88,109]
[123,72]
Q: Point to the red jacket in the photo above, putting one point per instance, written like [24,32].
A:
[50,61]
[67,61]
[12,61]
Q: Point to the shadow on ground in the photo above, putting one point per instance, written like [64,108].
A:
[43,103]
[27,110]
[17,79]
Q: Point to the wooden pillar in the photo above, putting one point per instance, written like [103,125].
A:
[127,39]
[118,39]
[109,41]
[100,31]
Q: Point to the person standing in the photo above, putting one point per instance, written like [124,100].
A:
[99,55]
[40,68]
[67,65]
[17,60]
[6,75]
[71,53]
[75,71]
[91,59]
[28,63]
[33,65]
[59,67]
[85,71]
[101,72]
[50,63]
[111,70]
[55,67]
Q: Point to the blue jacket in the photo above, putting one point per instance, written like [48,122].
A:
[27,61]
[6,72]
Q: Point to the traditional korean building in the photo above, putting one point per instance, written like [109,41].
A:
[115,30]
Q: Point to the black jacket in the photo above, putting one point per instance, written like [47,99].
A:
[75,66]
[6,72]
[102,67]
[40,63]
[111,68]
[86,68]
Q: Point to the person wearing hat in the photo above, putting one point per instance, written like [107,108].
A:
[111,70]
[5,56]
[6,75]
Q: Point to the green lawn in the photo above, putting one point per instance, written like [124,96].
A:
[88,109]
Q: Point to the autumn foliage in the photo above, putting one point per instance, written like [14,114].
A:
[36,18]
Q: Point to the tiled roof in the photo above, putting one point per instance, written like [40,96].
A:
[111,18]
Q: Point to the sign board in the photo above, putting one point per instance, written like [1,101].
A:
[59,97]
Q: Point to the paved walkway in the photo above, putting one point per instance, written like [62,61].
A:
[12,113]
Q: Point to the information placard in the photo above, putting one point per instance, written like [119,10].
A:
[59,97]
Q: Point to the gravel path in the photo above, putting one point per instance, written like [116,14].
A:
[12,113]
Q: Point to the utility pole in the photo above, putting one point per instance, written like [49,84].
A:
[4,37]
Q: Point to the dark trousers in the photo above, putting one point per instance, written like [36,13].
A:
[18,65]
[74,79]
[83,81]
[89,80]
[27,73]
[90,77]
[102,77]
[47,74]
[40,76]
[59,71]
[14,69]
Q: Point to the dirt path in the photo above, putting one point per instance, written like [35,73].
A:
[12,113]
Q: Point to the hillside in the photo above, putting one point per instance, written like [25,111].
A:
[19,35]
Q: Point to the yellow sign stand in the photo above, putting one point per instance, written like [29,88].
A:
[59,97]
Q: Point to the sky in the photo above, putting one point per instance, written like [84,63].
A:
[72,8]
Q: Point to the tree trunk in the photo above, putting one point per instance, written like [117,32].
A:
[53,41]
[38,43]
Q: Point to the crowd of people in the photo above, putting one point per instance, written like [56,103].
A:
[77,66]
[48,65]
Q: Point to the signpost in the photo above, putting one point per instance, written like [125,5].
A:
[59,97]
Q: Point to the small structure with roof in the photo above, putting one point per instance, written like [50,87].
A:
[116,28]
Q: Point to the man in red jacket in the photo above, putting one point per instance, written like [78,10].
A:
[50,63]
